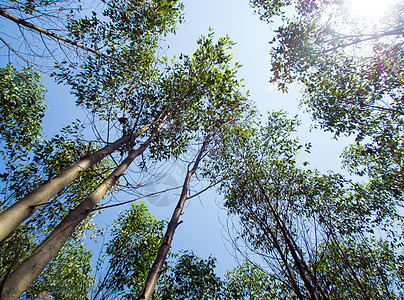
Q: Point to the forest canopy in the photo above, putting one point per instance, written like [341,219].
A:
[301,233]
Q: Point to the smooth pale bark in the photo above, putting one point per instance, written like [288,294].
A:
[45,31]
[155,270]
[22,277]
[25,207]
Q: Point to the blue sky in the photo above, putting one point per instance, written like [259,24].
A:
[204,227]
[204,221]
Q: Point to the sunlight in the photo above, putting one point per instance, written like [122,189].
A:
[370,9]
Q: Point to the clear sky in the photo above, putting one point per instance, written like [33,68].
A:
[204,221]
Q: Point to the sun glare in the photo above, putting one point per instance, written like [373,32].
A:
[370,9]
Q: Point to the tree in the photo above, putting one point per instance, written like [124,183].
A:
[351,71]
[285,215]
[126,51]
[210,64]
[263,187]
[190,277]
[360,268]
[135,238]
[220,108]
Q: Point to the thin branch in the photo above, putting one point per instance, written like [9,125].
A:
[205,189]
[45,31]
[133,200]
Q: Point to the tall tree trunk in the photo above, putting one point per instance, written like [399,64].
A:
[25,207]
[155,270]
[300,265]
[22,277]
[45,31]
[273,237]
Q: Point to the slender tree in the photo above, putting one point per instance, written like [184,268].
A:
[158,19]
[351,71]
[164,249]
[261,187]
[210,66]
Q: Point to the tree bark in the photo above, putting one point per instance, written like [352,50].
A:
[25,207]
[157,267]
[45,31]
[22,277]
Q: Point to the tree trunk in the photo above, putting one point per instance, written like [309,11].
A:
[288,240]
[273,237]
[45,31]
[25,207]
[22,277]
[155,270]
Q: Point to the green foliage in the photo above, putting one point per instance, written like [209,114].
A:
[117,84]
[352,74]
[190,277]
[22,109]
[135,239]
[48,158]
[250,282]
[361,269]
[68,276]
[203,93]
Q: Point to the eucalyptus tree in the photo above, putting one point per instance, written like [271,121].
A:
[59,30]
[199,94]
[220,108]
[285,214]
[129,33]
[352,77]
[135,238]
[190,277]
[361,268]
[263,187]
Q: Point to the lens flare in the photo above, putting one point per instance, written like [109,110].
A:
[370,9]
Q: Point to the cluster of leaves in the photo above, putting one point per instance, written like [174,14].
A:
[352,74]
[135,239]
[270,195]
[22,109]
[190,278]
[129,33]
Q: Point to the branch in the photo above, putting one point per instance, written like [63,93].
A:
[45,31]
[133,200]
[369,37]
[205,189]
